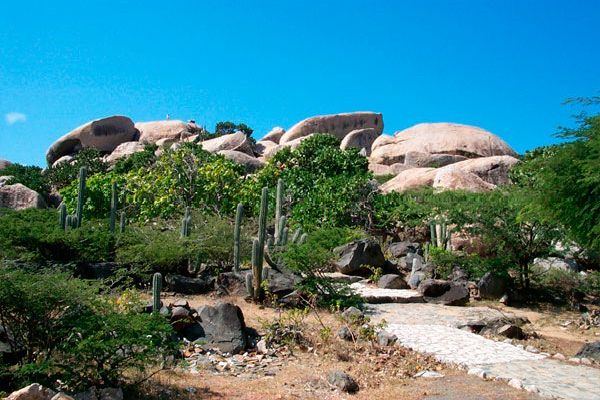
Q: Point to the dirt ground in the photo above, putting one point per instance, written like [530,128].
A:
[381,372]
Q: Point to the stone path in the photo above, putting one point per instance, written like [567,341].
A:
[434,329]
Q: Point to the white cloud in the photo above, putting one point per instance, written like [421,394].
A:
[14,117]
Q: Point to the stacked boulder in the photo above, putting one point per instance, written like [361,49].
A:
[443,156]
[17,196]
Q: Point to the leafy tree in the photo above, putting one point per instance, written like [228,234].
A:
[326,186]
[564,180]
[227,127]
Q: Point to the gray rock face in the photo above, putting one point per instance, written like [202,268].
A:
[224,327]
[360,139]
[103,134]
[274,135]
[20,197]
[281,283]
[186,285]
[344,333]
[338,125]
[354,255]
[385,338]
[153,131]
[491,286]
[392,281]
[400,249]
[352,314]
[342,381]
[123,150]
[444,292]
[590,350]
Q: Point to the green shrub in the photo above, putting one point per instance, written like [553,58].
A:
[28,175]
[66,172]
[34,235]
[136,161]
[65,331]
[313,257]
[474,265]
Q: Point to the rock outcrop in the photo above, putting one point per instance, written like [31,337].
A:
[274,135]
[478,174]
[20,197]
[249,162]
[360,139]
[338,125]
[103,134]
[354,256]
[123,150]
[4,164]
[441,138]
[152,131]
[235,141]
[291,144]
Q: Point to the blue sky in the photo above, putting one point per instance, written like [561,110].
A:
[506,66]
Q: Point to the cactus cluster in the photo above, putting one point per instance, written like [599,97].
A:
[440,235]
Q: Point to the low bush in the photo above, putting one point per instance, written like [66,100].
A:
[28,175]
[61,330]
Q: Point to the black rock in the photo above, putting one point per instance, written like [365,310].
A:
[491,286]
[590,350]
[342,381]
[353,256]
[281,283]
[511,331]
[392,281]
[444,292]
[400,249]
[458,275]
[232,283]
[224,327]
[186,285]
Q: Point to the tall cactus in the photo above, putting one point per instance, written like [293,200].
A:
[62,216]
[251,279]
[186,223]
[156,289]
[122,222]
[239,214]
[440,235]
[279,210]
[114,204]
[81,196]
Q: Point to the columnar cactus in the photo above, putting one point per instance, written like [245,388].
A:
[156,289]
[279,209]
[239,213]
[258,246]
[186,223]
[81,195]
[62,216]
[440,235]
[114,204]
[122,222]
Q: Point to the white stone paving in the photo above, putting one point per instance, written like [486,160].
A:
[431,329]
[376,295]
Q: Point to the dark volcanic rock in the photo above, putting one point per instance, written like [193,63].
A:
[186,285]
[224,327]
[491,286]
[444,292]
[590,350]
[353,256]
[392,281]
[342,381]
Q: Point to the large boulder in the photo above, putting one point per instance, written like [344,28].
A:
[235,141]
[293,144]
[153,131]
[410,179]
[338,125]
[457,179]
[354,255]
[548,263]
[35,391]
[392,281]
[400,249]
[423,160]
[281,283]
[223,327]
[441,138]
[492,169]
[590,350]
[382,140]
[123,150]
[4,164]
[103,134]
[492,286]
[274,135]
[382,170]
[263,146]
[444,292]
[249,162]
[360,139]
[20,197]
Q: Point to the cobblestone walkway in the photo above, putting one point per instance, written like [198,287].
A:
[432,329]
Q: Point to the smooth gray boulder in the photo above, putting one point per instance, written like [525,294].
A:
[19,197]
[353,256]
[338,125]
[224,327]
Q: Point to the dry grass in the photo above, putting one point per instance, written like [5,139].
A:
[382,372]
